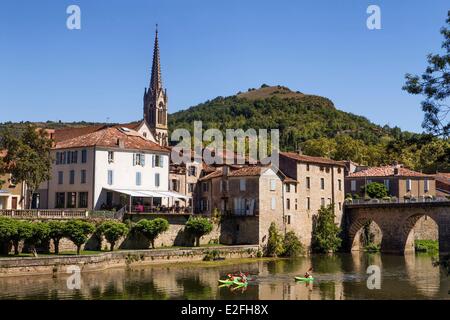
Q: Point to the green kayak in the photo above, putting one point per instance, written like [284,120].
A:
[229,281]
[304,279]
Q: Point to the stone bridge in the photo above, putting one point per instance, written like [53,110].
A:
[396,222]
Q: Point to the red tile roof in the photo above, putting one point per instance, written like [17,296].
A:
[70,133]
[109,137]
[387,171]
[443,177]
[310,159]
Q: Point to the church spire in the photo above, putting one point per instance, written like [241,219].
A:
[156,81]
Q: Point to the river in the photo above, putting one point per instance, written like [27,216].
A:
[341,276]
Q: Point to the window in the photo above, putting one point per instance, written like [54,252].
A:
[386,184]
[329,200]
[296,204]
[110,177]
[138,159]
[288,204]
[205,186]
[353,185]
[60,177]
[193,171]
[204,204]
[307,167]
[72,177]
[242,185]
[340,184]
[138,178]
[175,184]
[82,200]
[83,156]
[308,203]
[144,134]
[288,219]
[58,158]
[322,168]
[35,200]
[339,170]
[158,161]
[110,156]
[288,187]
[308,183]
[340,206]
[74,156]
[273,203]
[273,185]
[322,183]
[408,185]
[109,199]
[71,199]
[157,182]
[322,202]
[369,181]
[223,185]
[191,187]
[426,185]
[60,200]
[83,176]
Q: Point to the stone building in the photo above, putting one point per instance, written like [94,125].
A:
[399,181]
[12,194]
[314,182]
[249,198]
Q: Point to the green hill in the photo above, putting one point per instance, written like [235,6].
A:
[313,124]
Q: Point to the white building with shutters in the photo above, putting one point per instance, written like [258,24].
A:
[108,168]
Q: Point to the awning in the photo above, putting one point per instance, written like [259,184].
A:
[174,194]
[150,193]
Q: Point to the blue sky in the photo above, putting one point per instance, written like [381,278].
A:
[208,49]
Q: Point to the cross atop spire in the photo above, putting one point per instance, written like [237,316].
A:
[156,80]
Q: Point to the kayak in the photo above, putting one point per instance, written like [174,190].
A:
[229,281]
[304,279]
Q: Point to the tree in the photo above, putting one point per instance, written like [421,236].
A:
[376,190]
[39,234]
[151,229]
[56,233]
[274,242]
[199,227]
[28,156]
[23,231]
[8,229]
[325,231]
[292,246]
[434,84]
[78,231]
[112,231]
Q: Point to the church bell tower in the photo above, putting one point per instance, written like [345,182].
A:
[155,100]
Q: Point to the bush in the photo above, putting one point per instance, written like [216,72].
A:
[151,229]
[292,247]
[275,242]
[56,233]
[112,231]
[212,255]
[325,231]
[376,190]
[430,246]
[199,227]
[372,247]
[78,231]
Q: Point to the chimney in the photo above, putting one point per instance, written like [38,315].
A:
[121,143]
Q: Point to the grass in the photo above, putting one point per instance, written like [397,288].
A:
[429,246]
[216,263]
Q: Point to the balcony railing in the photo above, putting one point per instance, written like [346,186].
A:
[140,209]
[45,214]
[349,202]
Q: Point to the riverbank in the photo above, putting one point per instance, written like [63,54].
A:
[26,266]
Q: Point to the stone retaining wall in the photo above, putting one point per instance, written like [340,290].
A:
[59,264]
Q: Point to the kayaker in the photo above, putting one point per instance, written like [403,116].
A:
[243,277]
[308,274]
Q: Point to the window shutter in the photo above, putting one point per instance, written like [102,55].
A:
[161,161]
[143,159]
[134,159]
[153,160]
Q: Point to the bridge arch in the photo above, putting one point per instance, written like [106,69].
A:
[364,231]
[409,228]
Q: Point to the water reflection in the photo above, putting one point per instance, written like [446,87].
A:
[337,277]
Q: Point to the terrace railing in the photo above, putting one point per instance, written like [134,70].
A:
[45,214]
[394,200]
